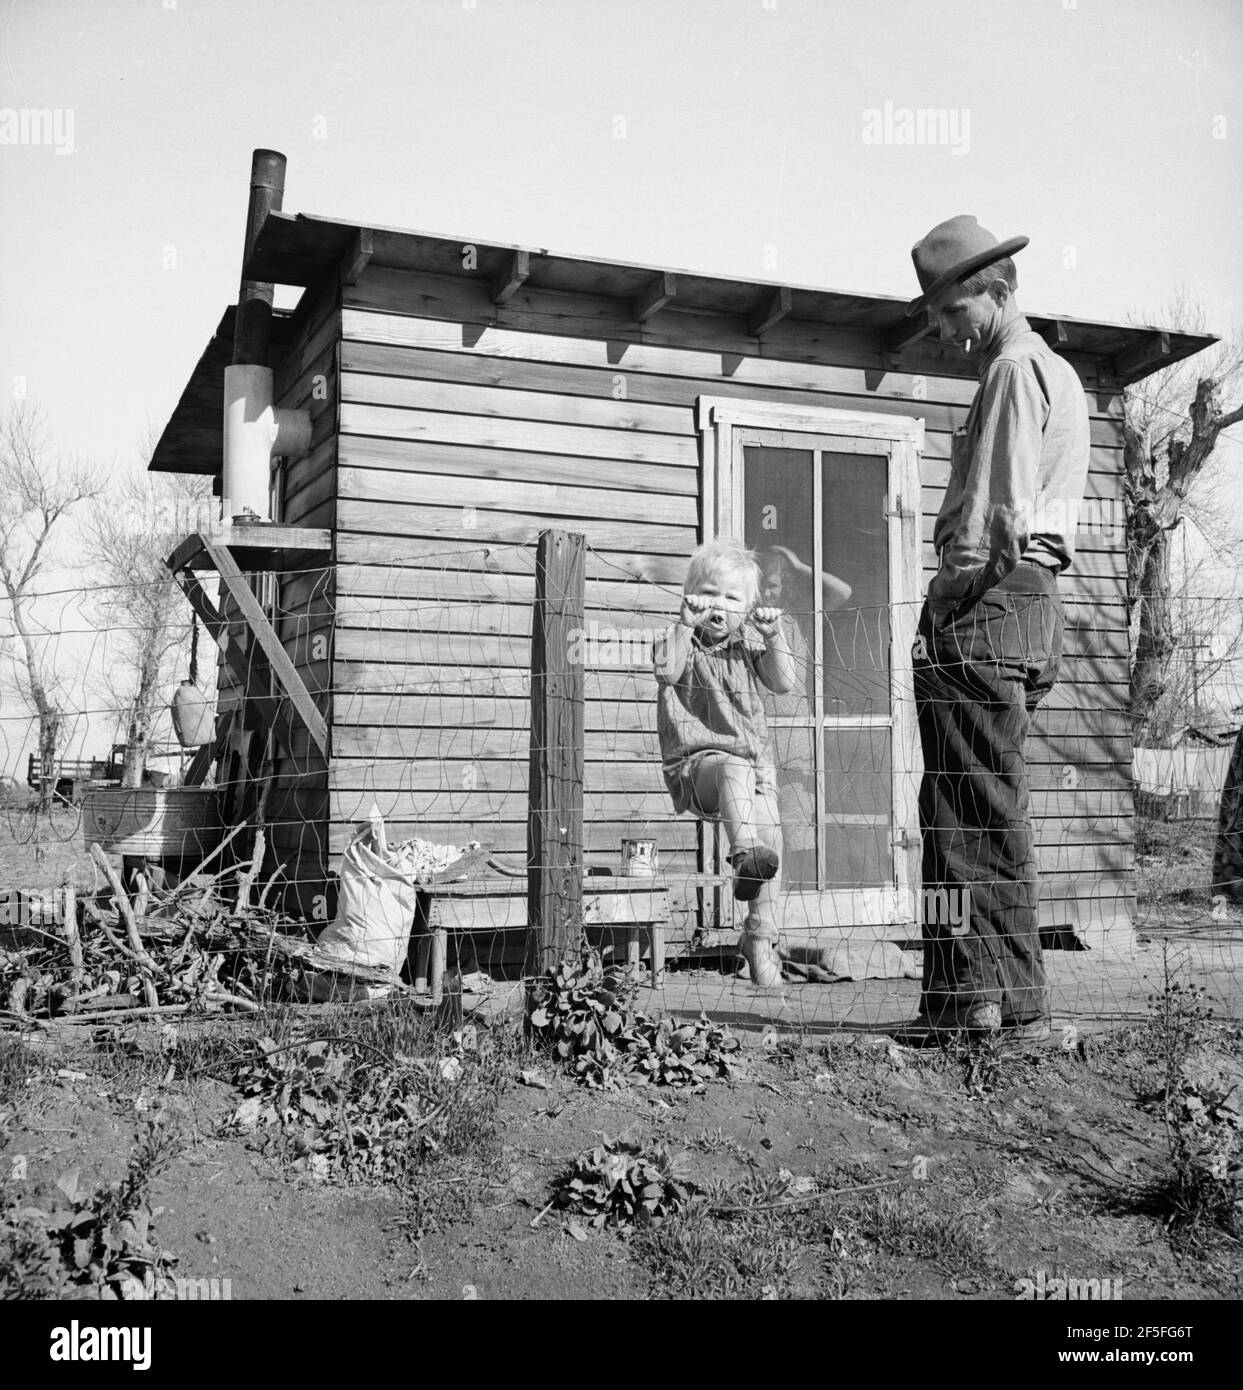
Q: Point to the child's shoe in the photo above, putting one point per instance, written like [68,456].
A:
[763,962]
[752,869]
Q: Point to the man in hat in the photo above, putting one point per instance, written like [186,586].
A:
[990,637]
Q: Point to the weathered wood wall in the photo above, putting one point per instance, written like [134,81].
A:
[307,377]
[467,427]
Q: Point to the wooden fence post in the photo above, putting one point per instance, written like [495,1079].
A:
[555,788]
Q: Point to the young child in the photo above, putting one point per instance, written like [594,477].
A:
[715,749]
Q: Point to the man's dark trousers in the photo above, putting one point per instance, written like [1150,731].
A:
[978,677]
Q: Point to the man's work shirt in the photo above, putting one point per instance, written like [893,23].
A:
[1019,468]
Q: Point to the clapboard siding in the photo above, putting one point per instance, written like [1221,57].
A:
[297,813]
[499,767]
[408,817]
[635,710]
[443,382]
[452,461]
[395,489]
[1089,654]
[458,445]
[637,354]
[298,819]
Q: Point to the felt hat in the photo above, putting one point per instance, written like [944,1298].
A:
[951,252]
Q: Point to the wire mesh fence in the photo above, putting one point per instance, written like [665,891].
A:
[422,671]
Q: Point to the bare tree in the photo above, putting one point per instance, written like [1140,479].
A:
[1173,423]
[148,617]
[39,488]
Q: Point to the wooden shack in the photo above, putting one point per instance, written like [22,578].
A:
[466,396]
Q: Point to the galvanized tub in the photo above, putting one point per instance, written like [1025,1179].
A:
[156,822]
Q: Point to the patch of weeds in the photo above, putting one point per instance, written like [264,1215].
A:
[902,1222]
[625,1183]
[992,1064]
[103,1240]
[714,1141]
[855,1073]
[1202,1191]
[795,1058]
[1178,1017]
[1199,1193]
[586,1017]
[698,1255]
[437,1194]
[201,1054]
[18,1067]
[984,1065]
[751,1240]
[376,1103]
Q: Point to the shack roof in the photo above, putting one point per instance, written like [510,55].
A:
[303,249]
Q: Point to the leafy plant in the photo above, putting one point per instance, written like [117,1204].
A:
[623,1183]
[347,1109]
[586,1016]
[1202,1186]
[103,1240]
[30,1266]
[580,1013]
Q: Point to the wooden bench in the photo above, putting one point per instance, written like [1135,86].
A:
[611,905]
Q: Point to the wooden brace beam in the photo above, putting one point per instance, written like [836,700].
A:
[1055,334]
[902,335]
[216,627]
[278,658]
[654,296]
[770,313]
[354,262]
[513,278]
[1147,353]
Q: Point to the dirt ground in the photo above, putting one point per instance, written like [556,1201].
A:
[1033,1162]
[832,1164]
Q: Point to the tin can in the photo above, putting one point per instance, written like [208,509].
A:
[639,858]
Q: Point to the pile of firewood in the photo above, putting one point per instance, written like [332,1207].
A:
[201,946]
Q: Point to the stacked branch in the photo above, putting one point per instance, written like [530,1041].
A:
[197,947]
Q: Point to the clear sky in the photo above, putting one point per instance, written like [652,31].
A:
[755,138]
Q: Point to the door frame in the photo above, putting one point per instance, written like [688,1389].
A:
[723,424]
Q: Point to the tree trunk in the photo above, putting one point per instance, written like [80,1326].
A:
[1156,642]
[135,760]
[1228,860]
[49,738]
[1154,511]
[141,714]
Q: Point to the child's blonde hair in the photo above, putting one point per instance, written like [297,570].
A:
[719,560]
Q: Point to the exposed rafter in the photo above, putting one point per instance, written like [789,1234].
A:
[354,262]
[770,312]
[655,296]
[1055,333]
[512,278]
[1141,357]
[900,337]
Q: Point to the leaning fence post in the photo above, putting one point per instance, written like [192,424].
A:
[555,787]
